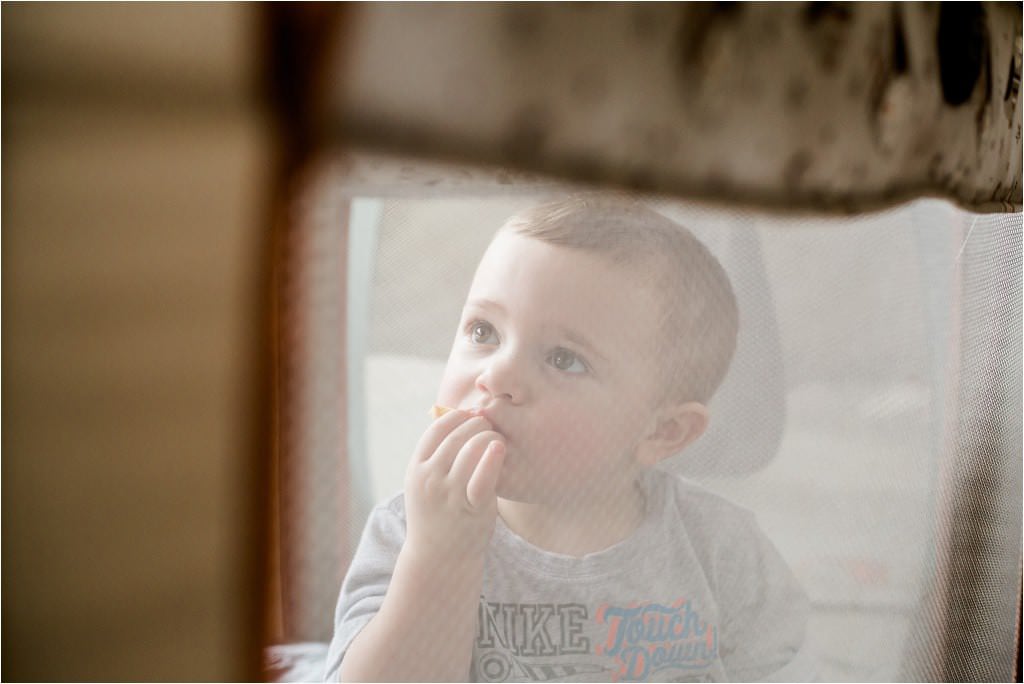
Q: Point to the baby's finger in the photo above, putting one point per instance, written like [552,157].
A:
[482,489]
[468,457]
[436,433]
[451,445]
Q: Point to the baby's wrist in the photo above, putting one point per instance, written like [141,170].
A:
[448,539]
[445,565]
[462,548]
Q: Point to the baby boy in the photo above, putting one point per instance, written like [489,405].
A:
[535,541]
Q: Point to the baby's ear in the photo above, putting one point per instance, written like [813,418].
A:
[672,429]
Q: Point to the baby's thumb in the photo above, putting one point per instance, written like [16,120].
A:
[481,490]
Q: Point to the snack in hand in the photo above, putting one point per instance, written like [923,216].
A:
[437,411]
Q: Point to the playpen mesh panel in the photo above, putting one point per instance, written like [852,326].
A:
[871,418]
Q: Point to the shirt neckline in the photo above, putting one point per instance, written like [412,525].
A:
[614,559]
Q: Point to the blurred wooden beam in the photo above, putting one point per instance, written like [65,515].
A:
[135,158]
[837,107]
[300,40]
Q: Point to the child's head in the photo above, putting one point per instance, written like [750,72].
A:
[699,320]
[594,333]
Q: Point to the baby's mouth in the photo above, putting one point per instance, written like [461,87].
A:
[438,410]
[484,413]
[495,425]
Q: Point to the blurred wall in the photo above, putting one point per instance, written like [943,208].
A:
[134,163]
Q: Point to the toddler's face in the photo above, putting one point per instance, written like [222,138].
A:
[557,346]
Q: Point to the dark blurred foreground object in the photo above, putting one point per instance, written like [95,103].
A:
[135,170]
[146,213]
[823,106]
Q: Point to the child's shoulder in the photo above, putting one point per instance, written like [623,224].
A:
[725,536]
[388,514]
[393,506]
[698,507]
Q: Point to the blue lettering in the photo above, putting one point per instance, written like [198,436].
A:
[634,664]
[624,616]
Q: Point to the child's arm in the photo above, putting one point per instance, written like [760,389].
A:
[425,626]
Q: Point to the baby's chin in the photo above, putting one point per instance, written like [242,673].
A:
[512,488]
[530,491]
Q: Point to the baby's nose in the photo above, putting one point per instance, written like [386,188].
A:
[505,377]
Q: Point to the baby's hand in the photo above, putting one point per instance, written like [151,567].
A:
[450,488]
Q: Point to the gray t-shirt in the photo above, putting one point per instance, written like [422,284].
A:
[697,593]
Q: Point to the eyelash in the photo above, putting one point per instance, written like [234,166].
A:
[468,331]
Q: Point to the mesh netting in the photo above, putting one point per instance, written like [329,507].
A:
[870,421]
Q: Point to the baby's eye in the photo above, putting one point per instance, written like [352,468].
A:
[565,360]
[482,332]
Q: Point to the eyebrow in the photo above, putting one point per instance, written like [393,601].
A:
[485,304]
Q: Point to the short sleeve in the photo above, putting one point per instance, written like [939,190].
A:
[765,611]
[367,580]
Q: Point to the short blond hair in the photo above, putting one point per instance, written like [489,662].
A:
[700,318]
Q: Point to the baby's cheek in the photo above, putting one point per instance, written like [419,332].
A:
[456,385]
[571,441]
[447,397]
